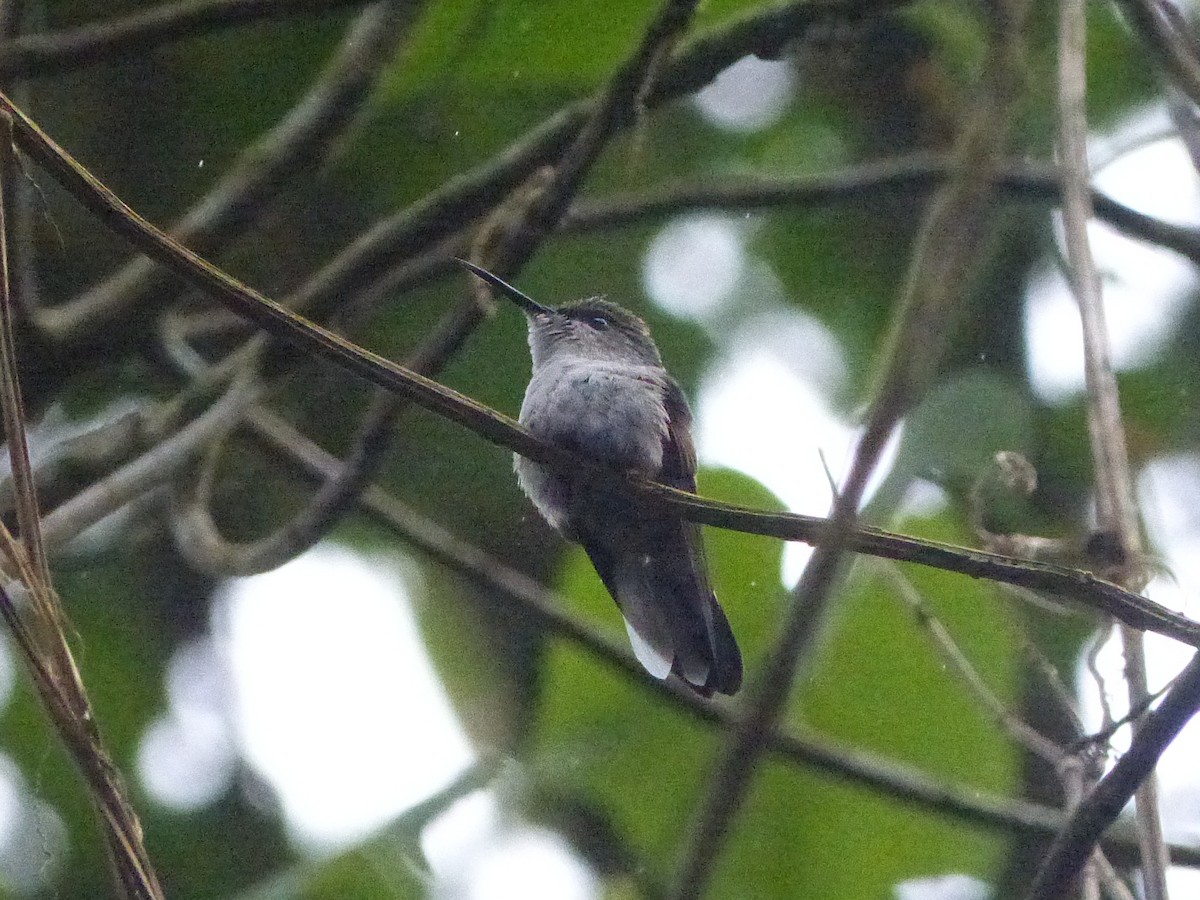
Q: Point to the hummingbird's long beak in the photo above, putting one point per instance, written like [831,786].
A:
[527,303]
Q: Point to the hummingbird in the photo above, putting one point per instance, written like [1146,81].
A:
[599,388]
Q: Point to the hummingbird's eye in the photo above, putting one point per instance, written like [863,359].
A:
[597,322]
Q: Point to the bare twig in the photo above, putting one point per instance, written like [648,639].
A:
[1076,776]
[206,549]
[622,98]
[917,173]
[151,469]
[196,532]
[369,261]
[1161,29]
[67,463]
[953,656]
[1101,807]
[1037,660]
[39,624]
[11,404]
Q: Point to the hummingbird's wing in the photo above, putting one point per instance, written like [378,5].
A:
[690,580]
[654,567]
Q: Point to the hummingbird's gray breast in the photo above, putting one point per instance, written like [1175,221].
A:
[613,413]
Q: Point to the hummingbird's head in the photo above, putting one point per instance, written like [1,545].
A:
[594,328]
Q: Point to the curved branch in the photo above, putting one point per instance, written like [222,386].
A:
[918,173]
[150,469]
[1165,33]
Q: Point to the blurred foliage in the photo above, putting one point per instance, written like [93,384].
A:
[616,770]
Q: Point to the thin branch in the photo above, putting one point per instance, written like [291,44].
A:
[11,404]
[200,540]
[1037,660]
[162,462]
[66,465]
[1084,741]
[39,625]
[46,54]
[917,173]
[623,97]
[196,533]
[1076,776]
[1116,508]
[766,33]
[954,658]
[1162,29]
[307,876]
[346,276]
[1101,807]
[1110,878]
[1116,511]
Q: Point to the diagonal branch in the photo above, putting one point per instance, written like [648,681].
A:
[30,606]
[1164,30]
[1101,807]
[954,228]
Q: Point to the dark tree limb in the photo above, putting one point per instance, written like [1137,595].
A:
[1073,847]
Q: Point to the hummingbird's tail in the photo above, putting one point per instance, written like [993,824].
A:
[674,621]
